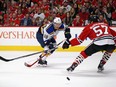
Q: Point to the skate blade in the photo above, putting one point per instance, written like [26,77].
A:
[99,71]
[42,65]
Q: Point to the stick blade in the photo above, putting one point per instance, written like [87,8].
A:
[27,65]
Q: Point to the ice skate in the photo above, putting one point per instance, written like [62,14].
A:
[100,68]
[42,62]
[72,67]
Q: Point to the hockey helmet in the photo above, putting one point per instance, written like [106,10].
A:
[93,18]
[57,20]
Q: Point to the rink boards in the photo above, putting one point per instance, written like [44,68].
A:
[24,39]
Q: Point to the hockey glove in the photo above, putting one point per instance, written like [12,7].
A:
[50,48]
[46,49]
[66,44]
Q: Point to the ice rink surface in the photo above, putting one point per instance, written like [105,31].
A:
[15,74]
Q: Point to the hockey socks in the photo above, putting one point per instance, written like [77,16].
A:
[77,61]
[104,59]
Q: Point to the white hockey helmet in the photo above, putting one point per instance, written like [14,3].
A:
[57,20]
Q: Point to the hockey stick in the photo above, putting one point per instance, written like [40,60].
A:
[29,65]
[7,60]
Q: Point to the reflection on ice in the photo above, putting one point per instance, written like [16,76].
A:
[15,74]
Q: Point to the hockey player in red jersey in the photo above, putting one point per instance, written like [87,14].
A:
[103,40]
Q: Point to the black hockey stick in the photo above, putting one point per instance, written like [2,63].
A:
[29,65]
[7,60]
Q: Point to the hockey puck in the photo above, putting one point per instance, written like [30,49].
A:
[68,78]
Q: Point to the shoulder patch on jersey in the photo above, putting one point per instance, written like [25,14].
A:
[50,29]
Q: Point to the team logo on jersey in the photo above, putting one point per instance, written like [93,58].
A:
[46,36]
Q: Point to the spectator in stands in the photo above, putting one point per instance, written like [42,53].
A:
[35,7]
[77,21]
[1,19]
[45,21]
[20,15]
[87,6]
[73,13]
[38,21]
[38,12]
[102,19]
[28,3]
[14,21]
[3,6]
[92,8]
[83,14]
[97,12]
[107,15]
[113,18]
[110,6]
[53,8]
[114,15]
[46,13]
[68,19]
[30,11]
[26,21]
[34,22]
[76,8]
[61,13]
[24,9]
[67,6]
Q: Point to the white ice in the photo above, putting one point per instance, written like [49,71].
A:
[15,74]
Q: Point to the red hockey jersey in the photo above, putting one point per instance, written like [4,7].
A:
[100,33]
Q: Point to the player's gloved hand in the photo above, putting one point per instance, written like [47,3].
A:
[49,48]
[46,49]
[47,42]
[52,45]
[66,44]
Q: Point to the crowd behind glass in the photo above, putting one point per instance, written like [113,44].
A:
[72,12]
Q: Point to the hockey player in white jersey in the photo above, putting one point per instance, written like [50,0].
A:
[45,36]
